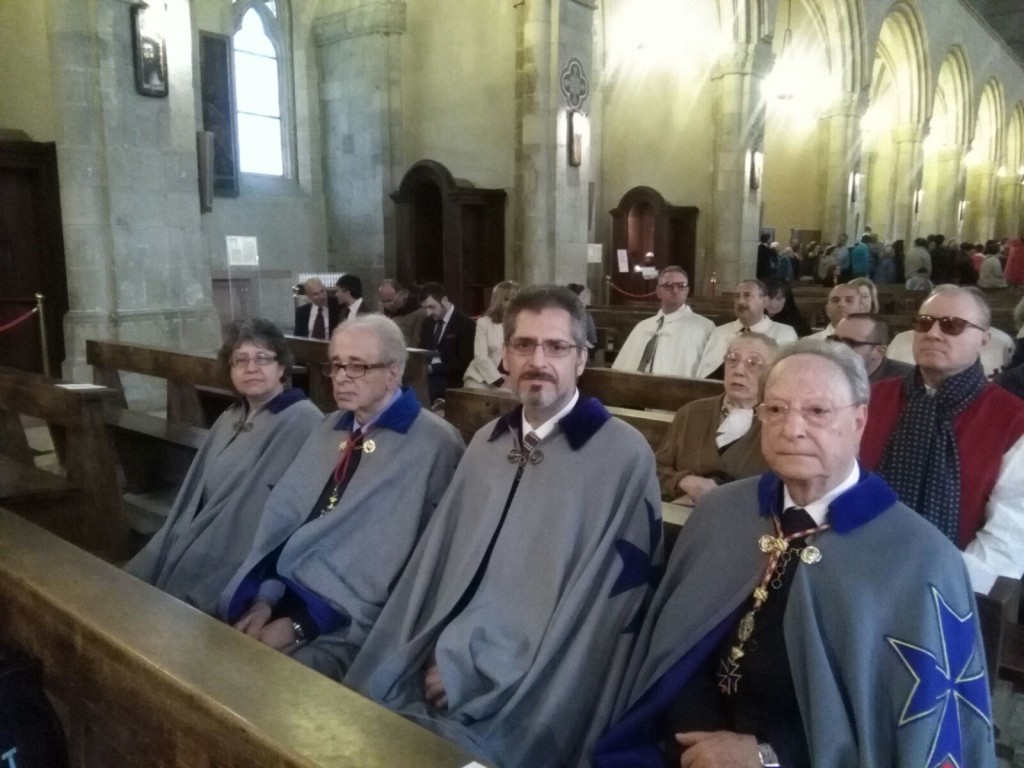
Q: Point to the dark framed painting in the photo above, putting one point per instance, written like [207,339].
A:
[218,97]
[149,49]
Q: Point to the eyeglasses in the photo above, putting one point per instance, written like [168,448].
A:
[551,347]
[852,343]
[678,287]
[352,370]
[951,326]
[734,358]
[813,415]
[262,359]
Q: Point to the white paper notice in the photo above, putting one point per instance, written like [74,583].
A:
[594,253]
[242,251]
[623,259]
[81,386]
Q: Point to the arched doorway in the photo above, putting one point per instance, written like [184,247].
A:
[644,223]
[451,232]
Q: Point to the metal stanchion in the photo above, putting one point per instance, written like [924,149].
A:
[42,335]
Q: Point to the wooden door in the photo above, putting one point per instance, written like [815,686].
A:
[31,254]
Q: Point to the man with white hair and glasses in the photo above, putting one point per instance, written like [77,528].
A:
[950,443]
[807,617]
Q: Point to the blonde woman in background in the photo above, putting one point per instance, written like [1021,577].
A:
[485,371]
[868,294]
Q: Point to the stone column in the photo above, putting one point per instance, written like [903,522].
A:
[553,70]
[739,127]
[841,126]
[949,161]
[137,269]
[359,50]
[1008,194]
[980,218]
[907,159]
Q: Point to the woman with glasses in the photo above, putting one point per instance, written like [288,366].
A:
[485,370]
[211,525]
[717,439]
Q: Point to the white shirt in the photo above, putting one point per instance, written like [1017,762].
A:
[823,335]
[681,339]
[818,509]
[722,336]
[353,308]
[548,426]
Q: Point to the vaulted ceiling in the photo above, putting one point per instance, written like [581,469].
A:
[1006,17]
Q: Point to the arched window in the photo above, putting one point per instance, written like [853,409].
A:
[263,85]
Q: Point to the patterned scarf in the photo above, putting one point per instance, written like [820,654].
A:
[921,460]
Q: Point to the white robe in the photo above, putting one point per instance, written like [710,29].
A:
[683,335]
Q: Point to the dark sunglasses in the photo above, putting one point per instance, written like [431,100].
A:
[951,326]
[852,343]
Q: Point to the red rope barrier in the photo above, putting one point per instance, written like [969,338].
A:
[18,320]
[633,295]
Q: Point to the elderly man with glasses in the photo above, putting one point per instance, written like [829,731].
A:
[950,443]
[807,617]
[868,336]
[339,527]
[513,622]
[669,343]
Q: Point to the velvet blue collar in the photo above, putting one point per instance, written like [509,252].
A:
[398,416]
[861,504]
[578,426]
[285,398]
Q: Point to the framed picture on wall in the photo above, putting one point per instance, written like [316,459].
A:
[149,49]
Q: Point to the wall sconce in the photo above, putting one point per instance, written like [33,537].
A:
[579,130]
[756,168]
[1001,172]
[1020,174]
[918,196]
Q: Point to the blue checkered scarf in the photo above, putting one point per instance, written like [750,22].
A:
[921,461]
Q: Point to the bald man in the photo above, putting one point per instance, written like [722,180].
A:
[316,319]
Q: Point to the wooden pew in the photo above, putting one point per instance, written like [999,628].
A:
[312,353]
[85,506]
[190,378]
[643,390]
[144,681]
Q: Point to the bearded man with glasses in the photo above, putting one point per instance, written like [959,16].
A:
[339,526]
[806,616]
[950,443]
[670,343]
[512,624]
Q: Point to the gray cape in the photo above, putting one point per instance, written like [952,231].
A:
[196,551]
[526,662]
[352,556]
[889,602]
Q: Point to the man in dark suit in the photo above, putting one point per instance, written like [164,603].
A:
[450,334]
[317,319]
[348,297]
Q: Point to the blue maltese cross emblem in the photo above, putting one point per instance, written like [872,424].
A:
[949,683]
[638,566]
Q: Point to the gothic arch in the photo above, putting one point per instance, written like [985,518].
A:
[952,99]
[903,49]
[987,141]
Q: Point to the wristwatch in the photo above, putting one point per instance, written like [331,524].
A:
[767,754]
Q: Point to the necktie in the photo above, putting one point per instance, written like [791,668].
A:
[319,331]
[647,358]
[796,519]
[743,330]
[530,441]
[438,329]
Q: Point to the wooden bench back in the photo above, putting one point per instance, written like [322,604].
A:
[93,515]
[146,681]
[189,377]
[643,390]
[312,353]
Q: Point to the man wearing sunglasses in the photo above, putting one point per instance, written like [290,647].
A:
[669,343]
[950,443]
[868,336]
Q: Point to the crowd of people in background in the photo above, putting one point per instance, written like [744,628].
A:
[928,262]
